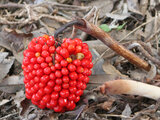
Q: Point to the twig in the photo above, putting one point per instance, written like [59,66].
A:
[131,87]
[153,35]
[113,115]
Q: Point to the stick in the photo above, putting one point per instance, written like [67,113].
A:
[114,45]
[131,87]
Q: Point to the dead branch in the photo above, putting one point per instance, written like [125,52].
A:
[131,87]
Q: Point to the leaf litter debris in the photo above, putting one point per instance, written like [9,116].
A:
[134,24]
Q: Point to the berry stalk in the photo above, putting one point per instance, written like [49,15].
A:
[96,32]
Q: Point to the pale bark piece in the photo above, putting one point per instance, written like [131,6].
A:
[131,87]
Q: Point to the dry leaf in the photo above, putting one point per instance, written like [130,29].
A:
[15,42]
[126,112]
[12,84]
[5,64]
[110,69]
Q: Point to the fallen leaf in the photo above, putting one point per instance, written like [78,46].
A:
[101,5]
[118,16]
[110,69]
[4,101]
[12,84]
[15,42]
[20,96]
[97,68]
[133,6]
[126,112]
[5,64]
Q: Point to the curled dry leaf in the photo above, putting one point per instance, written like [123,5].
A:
[5,64]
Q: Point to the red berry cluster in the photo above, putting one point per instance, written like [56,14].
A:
[56,77]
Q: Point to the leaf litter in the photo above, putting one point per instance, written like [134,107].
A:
[136,21]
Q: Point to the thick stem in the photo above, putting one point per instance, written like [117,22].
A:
[114,45]
[131,87]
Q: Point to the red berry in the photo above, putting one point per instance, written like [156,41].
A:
[39,72]
[55,95]
[72,97]
[58,49]
[51,83]
[57,88]
[65,85]
[58,66]
[46,98]
[64,52]
[45,53]
[44,65]
[47,70]
[53,68]
[52,76]
[58,81]
[40,59]
[71,105]
[72,83]
[64,63]
[48,90]
[77,62]
[78,49]
[58,58]
[53,103]
[72,89]
[65,79]
[80,69]
[62,101]
[77,99]
[41,92]
[52,49]
[71,67]
[45,48]
[64,93]
[36,66]
[64,71]
[79,92]
[49,59]
[38,47]
[44,78]
[71,48]
[81,77]
[58,74]
[73,75]
[57,108]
